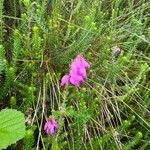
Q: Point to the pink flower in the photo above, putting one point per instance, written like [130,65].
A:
[116,51]
[76,80]
[65,80]
[82,72]
[77,73]
[80,62]
[50,126]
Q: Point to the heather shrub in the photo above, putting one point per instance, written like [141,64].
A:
[78,71]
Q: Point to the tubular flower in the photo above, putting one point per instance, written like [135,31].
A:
[50,126]
[116,51]
[77,73]
[65,80]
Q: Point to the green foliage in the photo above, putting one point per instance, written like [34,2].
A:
[12,127]
[9,81]
[13,102]
[132,143]
[1,23]
[29,138]
[16,46]
[39,39]
[2,59]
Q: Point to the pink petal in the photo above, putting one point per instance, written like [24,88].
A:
[82,62]
[74,66]
[76,80]
[77,77]
[50,126]
[65,80]
[78,72]
[52,130]
[82,72]
[73,72]
[54,123]
[75,83]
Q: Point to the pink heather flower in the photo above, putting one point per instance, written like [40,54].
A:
[82,72]
[65,80]
[76,80]
[77,72]
[115,50]
[80,62]
[84,63]
[50,126]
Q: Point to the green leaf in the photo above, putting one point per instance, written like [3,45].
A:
[12,127]
[55,144]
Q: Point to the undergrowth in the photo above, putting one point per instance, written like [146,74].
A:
[39,39]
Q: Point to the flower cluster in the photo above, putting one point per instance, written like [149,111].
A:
[77,73]
[50,126]
[116,51]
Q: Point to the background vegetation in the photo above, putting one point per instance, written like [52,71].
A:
[38,40]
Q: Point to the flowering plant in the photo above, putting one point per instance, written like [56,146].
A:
[77,74]
[50,126]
